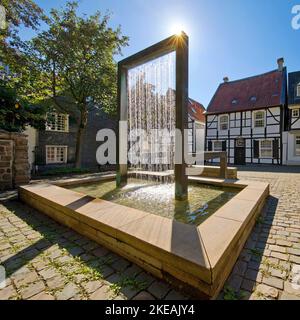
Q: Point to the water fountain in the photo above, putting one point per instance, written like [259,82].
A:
[153,94]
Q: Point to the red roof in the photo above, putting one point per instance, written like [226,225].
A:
[265,90]
[196,111]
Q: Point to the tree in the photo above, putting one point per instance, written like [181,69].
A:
[76,57]
[19,99]
[16,113]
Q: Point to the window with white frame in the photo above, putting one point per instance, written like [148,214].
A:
[217,146]
[266,149]
[298,90]
[56,154]
[223,122]
[295,113]
[259,119]
[297,145]
[57,122]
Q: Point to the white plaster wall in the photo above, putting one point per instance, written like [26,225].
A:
[32,141]
[291,158]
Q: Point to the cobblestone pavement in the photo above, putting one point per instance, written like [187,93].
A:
[269,265]
[45,260]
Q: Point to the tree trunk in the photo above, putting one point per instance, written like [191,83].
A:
[81,129]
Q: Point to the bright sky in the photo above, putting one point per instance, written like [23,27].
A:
[236,38]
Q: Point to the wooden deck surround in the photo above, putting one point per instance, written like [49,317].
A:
[195,258]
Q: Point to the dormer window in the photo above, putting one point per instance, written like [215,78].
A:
[234,101]
[224,122]
[259,119]
[253,99]
[298,90]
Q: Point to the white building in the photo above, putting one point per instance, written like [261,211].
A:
[246,118]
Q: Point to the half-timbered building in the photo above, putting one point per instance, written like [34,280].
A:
[246,118]
[292,136]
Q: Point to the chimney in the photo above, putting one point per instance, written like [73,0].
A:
[280,63]
[225,79]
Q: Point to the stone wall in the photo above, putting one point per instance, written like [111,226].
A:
[14,165]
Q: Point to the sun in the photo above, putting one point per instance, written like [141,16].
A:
[177,28]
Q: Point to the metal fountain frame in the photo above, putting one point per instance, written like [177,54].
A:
[179,44]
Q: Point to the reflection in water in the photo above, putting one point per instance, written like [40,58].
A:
[158,198]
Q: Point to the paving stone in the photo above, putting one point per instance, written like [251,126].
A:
[294,251]
[42,296]
[56,282]
[159,289]
[68,292]
[32,290]
[120,265]
[7,293]
[100,252]
[25,279]
[48,273]
[287,296]
[291,288]
[175,295]
[267,291]
[92,286]
[280,256]
[102,293]
[253,275]
[277,248]
[144,295]
[273,282]
[248,285]
[240,268]
[284,243]
[295,259]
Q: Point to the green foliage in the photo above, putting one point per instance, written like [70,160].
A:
[76,57]
[16,113]
[230,294]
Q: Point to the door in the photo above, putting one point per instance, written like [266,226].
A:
[240,152]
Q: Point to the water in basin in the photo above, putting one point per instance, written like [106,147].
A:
[157,198]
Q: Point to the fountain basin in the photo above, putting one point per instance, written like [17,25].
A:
[196,258]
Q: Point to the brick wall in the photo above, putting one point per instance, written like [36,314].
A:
[14,165]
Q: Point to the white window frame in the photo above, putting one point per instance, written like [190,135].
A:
[223,122]
[217,149]
[261,148]
[263,119]
[297,151]
[55,161]
[298,90]
[57,127]
[295,113]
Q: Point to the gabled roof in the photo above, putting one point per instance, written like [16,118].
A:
[264,90]
[294,80]
[196,111]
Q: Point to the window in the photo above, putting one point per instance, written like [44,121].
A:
[217,146]
[57,122]
[297,146]
[224,122]
[234,101]
[298,90]
[265,149]
[295,113]
[253,99]
[56,154]
[259,119]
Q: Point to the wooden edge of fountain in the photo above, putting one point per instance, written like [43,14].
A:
[200,258]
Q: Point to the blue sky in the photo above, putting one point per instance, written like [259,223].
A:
[236,38]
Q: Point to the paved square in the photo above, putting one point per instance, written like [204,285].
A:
[47,261]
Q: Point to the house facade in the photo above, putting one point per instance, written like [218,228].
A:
[55,146]
[246,118]
[196,125]
[292,135]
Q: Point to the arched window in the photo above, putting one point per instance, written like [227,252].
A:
[259,119]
